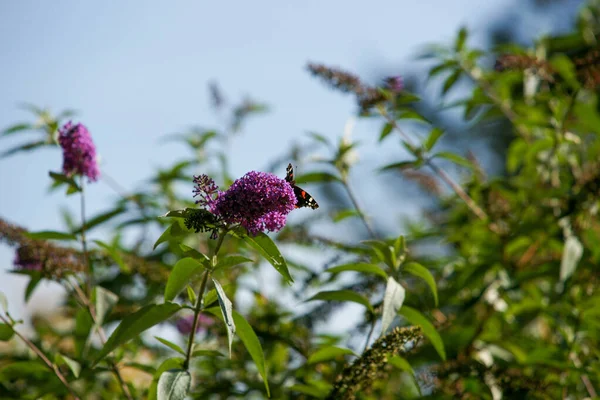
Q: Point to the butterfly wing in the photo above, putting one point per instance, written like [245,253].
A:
[303,198]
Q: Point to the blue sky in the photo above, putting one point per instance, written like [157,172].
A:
[137,71]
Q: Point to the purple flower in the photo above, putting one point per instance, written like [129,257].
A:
[206,189]
[79,152]
[258,201]
[395,83]
[28,258]
[184,325]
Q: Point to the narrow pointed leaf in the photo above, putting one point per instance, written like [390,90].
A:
[136,323]
[392,302]
[230,261]
[33,283]
[250,341]
[343,295]
[226,311]
[181,274]
[267,248]
[420,271]
[50,235]
[328,353]
[416,318]
[365,268]
[170,345]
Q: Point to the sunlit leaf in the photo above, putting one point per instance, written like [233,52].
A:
[268,249]
[170,345]
[173,385]
[181,274]
[226,311]
[570,258]
[392,302]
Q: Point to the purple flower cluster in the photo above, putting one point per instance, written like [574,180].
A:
[206,189]
[28,258]
[184,325]
[79,152]
[395,83]
[258,201]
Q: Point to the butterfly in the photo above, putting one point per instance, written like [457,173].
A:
[304,199]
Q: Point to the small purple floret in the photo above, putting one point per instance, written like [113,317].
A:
[79,152]
[395,83]
[258,201]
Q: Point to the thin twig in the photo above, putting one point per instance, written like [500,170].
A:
[200,300]
[43,357]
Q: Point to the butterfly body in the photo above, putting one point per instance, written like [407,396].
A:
[303,198]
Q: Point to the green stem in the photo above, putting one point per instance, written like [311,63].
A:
[86,260]
[43,357]
[200,298]
[361,214]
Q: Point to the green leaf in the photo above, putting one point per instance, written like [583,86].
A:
[459,45]
[187,251]
[365,268]
[50,235]
[411,114]
[170,345]
[420,271]
[101,218]
[317,392]
[136,323]
[317,177]
[319,138]
[416,318]
[392,302]
[343,295]
[231,261]
[174,385]
[564,66]
[252,344]
[328,353]
[207,353]
[181,274]
[6,332]
[226,311]
[451,80]
[168,364]
[24,147]
[73,365]
[570,258]
[447,64]
[455,158]
[402,364]
[433,137]
[250,341]
[191,294]
[267,248]
[402,165]
[104,301]
[16,128]
[387,129]
[342,215]
[115,254]
[33,282]
[176,230]
[61,179]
